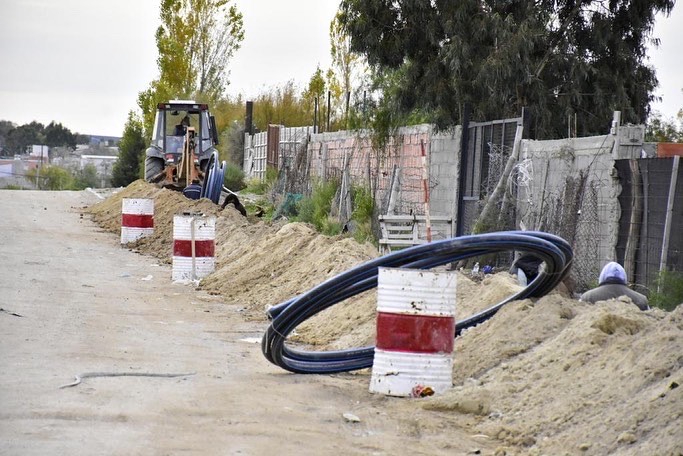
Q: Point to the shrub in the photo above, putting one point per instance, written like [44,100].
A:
[668,290]
[86,177]
[363,210]
[234,178]
[316,208]
[51,178]
[260,187]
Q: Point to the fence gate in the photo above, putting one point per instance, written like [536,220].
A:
[273,145]
[255,155]
[488,147]
[275,148]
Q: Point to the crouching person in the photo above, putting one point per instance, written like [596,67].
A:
[611,285]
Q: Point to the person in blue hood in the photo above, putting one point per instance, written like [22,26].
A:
[611,285]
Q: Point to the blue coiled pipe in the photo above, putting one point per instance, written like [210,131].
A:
[285,317]
[213,183]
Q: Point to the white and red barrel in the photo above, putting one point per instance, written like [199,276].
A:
[194,246]
[137,219]
[415,332]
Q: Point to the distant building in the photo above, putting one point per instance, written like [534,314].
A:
[40,152]
[102,156]
[103,163]
[105,141]
[14,171]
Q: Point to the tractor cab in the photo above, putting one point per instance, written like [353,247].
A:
[173,119]
[182,152]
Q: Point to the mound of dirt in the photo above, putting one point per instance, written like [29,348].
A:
[167,203]
[544,376]
[258,264]
[557,376]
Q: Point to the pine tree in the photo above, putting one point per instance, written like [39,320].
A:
[131,150]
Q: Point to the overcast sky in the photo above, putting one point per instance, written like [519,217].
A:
[83,62]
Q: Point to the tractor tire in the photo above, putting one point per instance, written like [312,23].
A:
[153,166]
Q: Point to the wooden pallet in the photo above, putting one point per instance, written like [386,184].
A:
[401,231]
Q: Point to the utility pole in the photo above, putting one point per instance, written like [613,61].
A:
[40,165]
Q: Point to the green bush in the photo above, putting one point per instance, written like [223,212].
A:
[84,178]
[234,178]
[255,186]
[363,210]
[51,178]
[316,208]
[363,204]
[12,187]
[260,187]
[261,208]
[668,290]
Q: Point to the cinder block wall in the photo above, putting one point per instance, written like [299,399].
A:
[570,186]
[443,173]
[572,192]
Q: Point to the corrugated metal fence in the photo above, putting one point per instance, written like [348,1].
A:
[652,218]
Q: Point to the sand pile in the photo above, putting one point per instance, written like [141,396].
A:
[257,263]
[562,377]
[543,377]
[167,203]
[265,264]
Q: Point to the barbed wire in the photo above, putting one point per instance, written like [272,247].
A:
[498,156]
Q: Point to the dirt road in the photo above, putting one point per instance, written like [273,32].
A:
[74,301]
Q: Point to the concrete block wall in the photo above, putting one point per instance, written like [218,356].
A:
[444,166]
[552,167]
[595,232]
[327,152]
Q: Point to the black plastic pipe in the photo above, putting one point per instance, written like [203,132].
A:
[285,317]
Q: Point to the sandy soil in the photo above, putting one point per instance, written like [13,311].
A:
[549,376]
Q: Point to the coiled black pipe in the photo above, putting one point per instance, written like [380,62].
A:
[285,317]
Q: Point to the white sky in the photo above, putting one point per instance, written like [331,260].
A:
[83,62]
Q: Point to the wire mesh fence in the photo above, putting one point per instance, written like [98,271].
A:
[569,192]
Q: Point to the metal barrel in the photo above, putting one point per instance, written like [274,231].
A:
[137,219]
[415,332]
[194,246]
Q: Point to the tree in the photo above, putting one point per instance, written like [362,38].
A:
[86,177]
[558,58]
[81,139]
[19,139]
[196,40]
[349,68]
[316,89]
[659,129]
[50,178]
[282,105]
[227,110]
[5,128]
[131,150]
[58,136]
[231,147]
[16,140]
